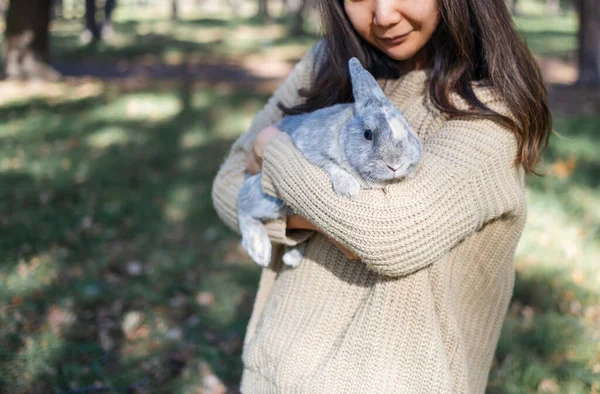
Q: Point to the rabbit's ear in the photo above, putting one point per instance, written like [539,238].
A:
[364,87]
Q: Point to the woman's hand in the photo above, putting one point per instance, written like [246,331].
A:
[299,222]
[255,156]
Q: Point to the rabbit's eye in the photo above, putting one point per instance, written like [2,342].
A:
[368,134]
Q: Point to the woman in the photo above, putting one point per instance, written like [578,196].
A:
[403,291]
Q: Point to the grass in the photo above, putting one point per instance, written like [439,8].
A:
[554,36]
[551,337]
[115,272]
[106,211]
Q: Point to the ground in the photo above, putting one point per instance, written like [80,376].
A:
[116,274]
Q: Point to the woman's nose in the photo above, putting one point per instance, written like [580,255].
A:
[386,13]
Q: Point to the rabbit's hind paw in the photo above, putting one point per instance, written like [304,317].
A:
[292,257]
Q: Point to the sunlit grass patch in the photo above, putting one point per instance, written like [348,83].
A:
[193,138]
[227,123]
[35,360]
[178,203]
[150,107]
[554,236]
[107,136]
[564,220]
[20,92]
[25,277]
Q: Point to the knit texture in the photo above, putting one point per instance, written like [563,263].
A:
[422,309]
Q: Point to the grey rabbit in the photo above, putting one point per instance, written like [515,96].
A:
[366,144]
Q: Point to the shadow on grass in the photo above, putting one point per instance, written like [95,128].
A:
[544,337]
[150,44]
[117,269]
[212,22]
[144,39]
[127,231]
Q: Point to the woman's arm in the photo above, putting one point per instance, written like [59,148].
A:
[466,178]
[294,222]
[300,223]
[230,177]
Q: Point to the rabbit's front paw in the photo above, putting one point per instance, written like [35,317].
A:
[258,247]
[345,184]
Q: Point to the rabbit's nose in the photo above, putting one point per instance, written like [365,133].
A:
[392,168]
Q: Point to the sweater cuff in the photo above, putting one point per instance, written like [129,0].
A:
[278,233]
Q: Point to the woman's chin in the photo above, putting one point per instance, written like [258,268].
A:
[401,52]
[400,55]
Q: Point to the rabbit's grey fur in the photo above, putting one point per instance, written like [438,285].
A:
[334,139]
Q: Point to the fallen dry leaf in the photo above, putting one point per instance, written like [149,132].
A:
[205,298]
[563,169]
[131,322]
[575,307]
[59,319]
[17,301]
[569,295]
[578,278]
[528,313]
[211,384]
[548,386]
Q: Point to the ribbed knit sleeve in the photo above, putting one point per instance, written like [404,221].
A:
[230,176]
[466,178]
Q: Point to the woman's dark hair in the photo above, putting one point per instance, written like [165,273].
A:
[475,41]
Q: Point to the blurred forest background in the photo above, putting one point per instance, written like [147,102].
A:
[116,275]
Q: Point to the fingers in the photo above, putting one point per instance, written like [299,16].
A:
[262,138]
[299,222]
[254,157]
[253,164]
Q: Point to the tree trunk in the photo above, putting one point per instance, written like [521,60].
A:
[109,7]
[298,24]
[589,43]
[90,20]
[57,9]
[174,10]
[235,6]
[263,10]
[107,27]
[27,40]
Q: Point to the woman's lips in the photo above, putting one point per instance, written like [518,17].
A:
[396,39]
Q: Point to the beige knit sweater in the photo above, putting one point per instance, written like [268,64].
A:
[422,310]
